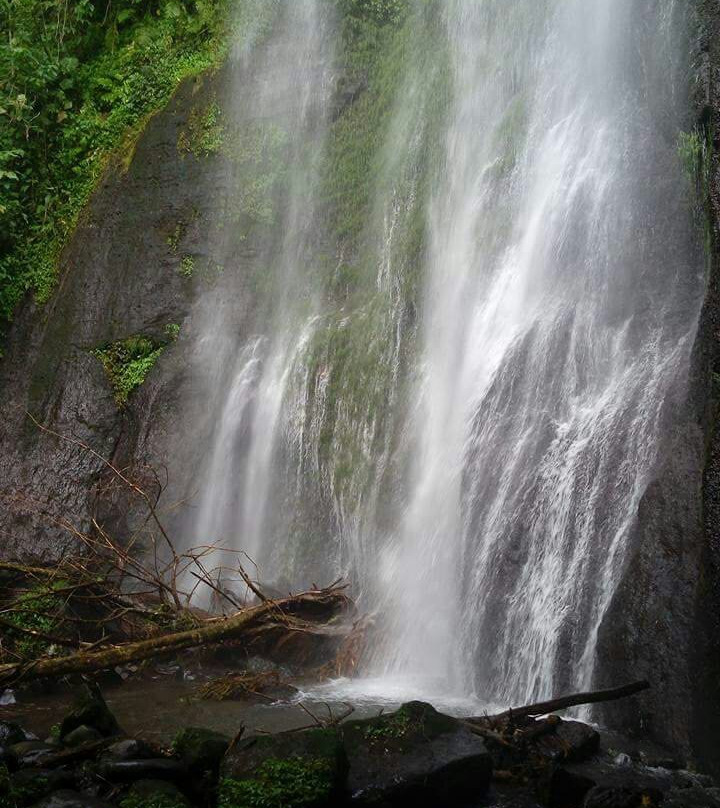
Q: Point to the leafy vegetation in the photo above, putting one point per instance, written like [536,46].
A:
[127,362]
[78,82]
[38,610]
[291,783]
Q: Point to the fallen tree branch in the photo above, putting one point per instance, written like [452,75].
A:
[321,605]
[563,702]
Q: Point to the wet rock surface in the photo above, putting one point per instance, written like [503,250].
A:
[415,756]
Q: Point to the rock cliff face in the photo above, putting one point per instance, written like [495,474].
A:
[664,623]
[123,275]
[120,276]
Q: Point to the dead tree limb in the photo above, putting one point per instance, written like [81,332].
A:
[563,702]
[320,605]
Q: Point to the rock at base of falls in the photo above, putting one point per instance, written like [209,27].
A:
[415,756]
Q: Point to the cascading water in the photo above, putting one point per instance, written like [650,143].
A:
[560,309]
[462,406]
[282,100]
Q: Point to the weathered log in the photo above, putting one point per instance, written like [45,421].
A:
[563,702]
[305,612]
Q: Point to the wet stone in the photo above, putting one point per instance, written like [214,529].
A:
[415,756]
[200,749]
[28,753]
[71,799]
[90,711]
[81,735]
[129,749]
[127,771]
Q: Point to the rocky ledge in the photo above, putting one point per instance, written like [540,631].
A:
[414,756]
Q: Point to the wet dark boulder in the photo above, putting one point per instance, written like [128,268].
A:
[29,753]
[71,799]
[92,711]
[200,749]
[11,733]
[82,735]
[129,749]
[293,769]
[415,756]
[128,771]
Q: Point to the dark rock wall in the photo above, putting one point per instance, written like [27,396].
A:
[119,277]
[664,621]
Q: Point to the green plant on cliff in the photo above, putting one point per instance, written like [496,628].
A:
[78,81]
[127,362]
[36,614]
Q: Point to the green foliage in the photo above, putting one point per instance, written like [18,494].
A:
[172,330]
[291,783]
[394,726]
[38,609]
[691,150]
[379,12]
[79,80]
[127,362]
[204,134]
[187,266]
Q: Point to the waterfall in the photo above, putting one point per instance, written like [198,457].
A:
[483,293]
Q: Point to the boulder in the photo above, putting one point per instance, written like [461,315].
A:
[11,733]
[129,749]
[572,741]
[292,769]
[200,749]
[81,735]
[128,771]
[71,799]
[27,753]
[415,756]
[90,711]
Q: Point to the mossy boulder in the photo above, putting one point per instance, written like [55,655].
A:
[415,756]
[90,711]
[200,749]
[290,770]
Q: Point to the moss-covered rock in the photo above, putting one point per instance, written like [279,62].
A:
[200,749]
[415,756]
[90,711]
[289,770]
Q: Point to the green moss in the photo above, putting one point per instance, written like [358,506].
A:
[291,783]
[40,609]
[187,266]
[172,330]
[205,133]
[127,362]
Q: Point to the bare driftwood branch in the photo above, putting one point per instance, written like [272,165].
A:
[563,702]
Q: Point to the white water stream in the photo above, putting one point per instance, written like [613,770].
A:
[560,287]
